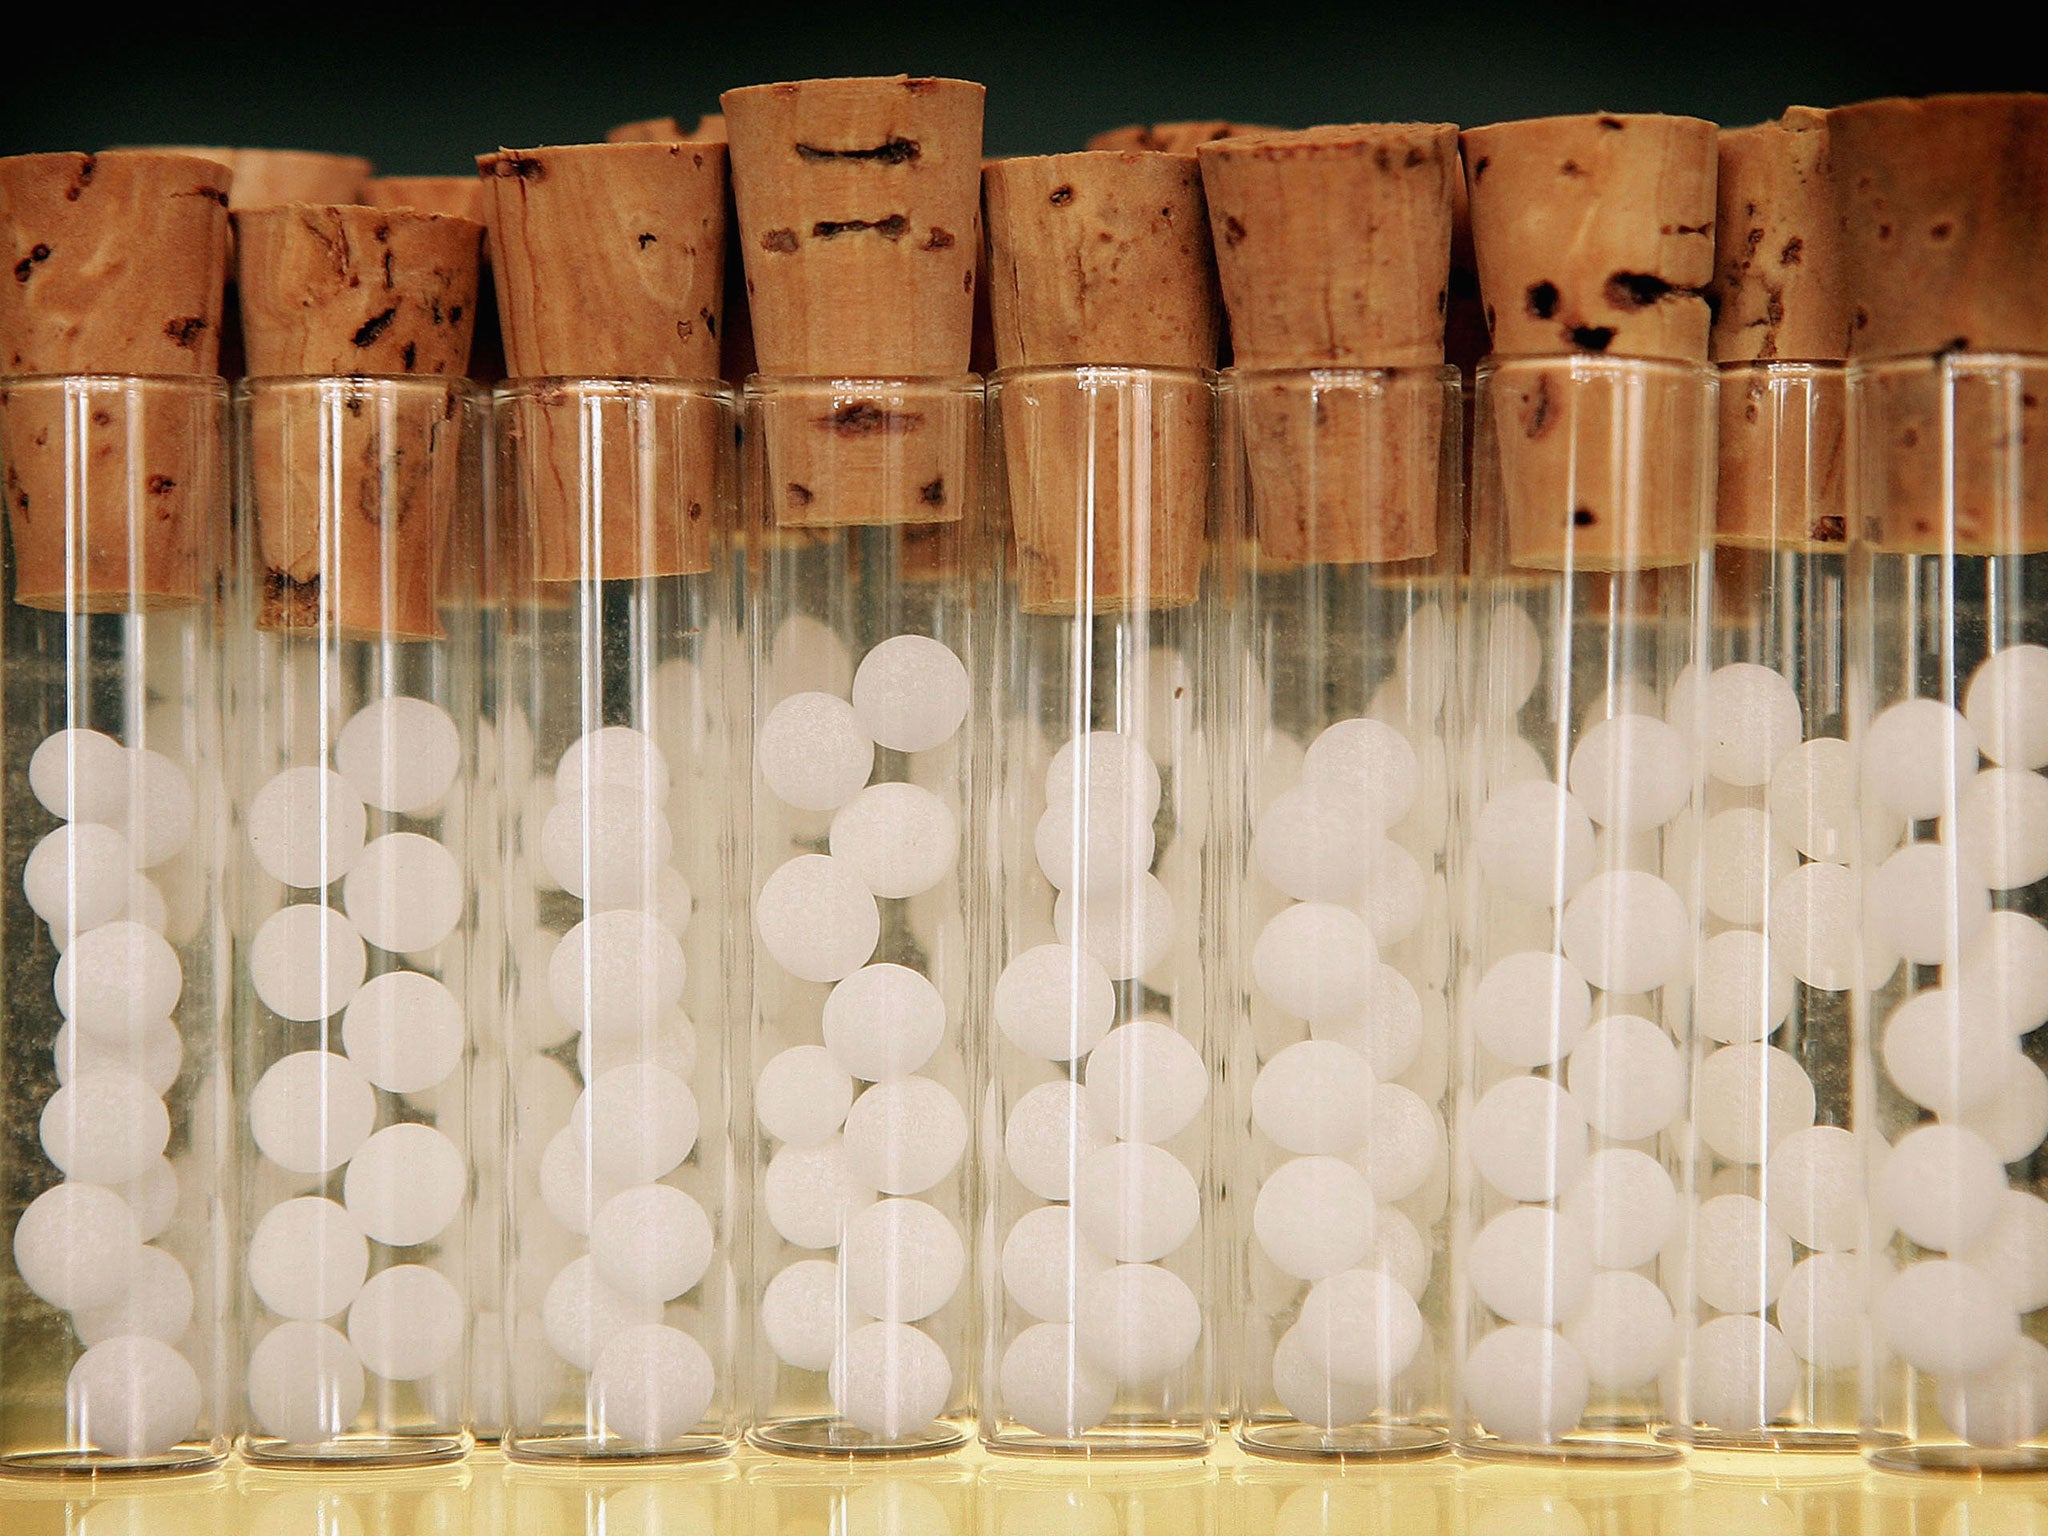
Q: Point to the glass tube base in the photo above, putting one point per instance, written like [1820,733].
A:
[1789,1438]
[1292,1440]
[61,1464]
[375,1452]
[572,1450]
[1968,1460]
[1576,1450]
[827,1435]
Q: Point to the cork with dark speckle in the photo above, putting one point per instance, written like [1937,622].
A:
[460,197]
[1173,138]
[1334,249]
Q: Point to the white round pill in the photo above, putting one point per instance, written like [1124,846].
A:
[617,755]
[1741,1374]
[306,826]
[1045,1261]
[1138,1322]
[77,1246]
[407,1322]
[1514,656]
[570,1187]
[1369,763]
[307,1258]
[305,962]
[671,1044]
[900,840]
[1314,1216]
[910,693]
[902,1260]
[156,1055]
[883,1022]
[1631,772]
[1363,1325]
[1146,1082]
[1531,1008]
[804,1315]
[1136,1202]
[1917,756]
[160,811]
[153,1198]
[1129,930]
[1627,1077]
[1821,1310]
[104,1127]
[2003,706]
[305,1383]
[1628,931]
[1622,1330]
[1815,925]
[580,1313]
[1948,1050]
[2000,827]
[891,1380]
[802,1096]
[1744,993]
[809,1193]
[813,752]
[643,1122]
[618,972]
[1399,1250]
[1388,1032]
[1398,895]
[607,845]
[1534,842]
[400,753]
[1812,799]
[1317,841]
[1941,1185]
[817,919]
[2015,1120]
[1527,1138]
[1928,903]
[77,877]
[1048,1132]
[404,1032]
[1046,1386]
[1108,848]
[1314,1096]
[651,1241]
[158,1303]
[1404,1143]
[1753,718]
[132,1397]
[1741,858]
[1748,1098]
[651,1384]
[404,893]
[1054,1002]
[1315,960]
[1531,1265]
[2015,1249]
[80,775]
[119,981]
[1813,1184]
[311,1110]
[1105,769]
[1625,1204]
[2008,966]
[1307,1389]
[2004,1406]
[1739,1257]
[405,1185]
[1946,1318]
[1526,1386]
[905,1136]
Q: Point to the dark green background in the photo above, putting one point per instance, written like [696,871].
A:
[422,88]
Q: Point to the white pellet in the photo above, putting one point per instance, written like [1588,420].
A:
[607,845]
[1752,720]
[407,1322]
[910,693]
[1813,801]
[2014,1249]
[1813,1183]
[809,1193]
[1946,1318]
[1531,1265]
[1821,1310]
[1748,1098]
[616,755]
[1917,756]
[311,1110]
[802,1095]
[305,962]
[801,1314]
[1045,1261]
[405,1185]
[1316,842]
[1741,859]
[1530,1008]
[1106,850]
[1046,1386]
[1527,1138]
[404,893]
[1364,1326]
[2000,827]
[616,972]
[1631,772]
[900,840]
[1398,894]
[1388,1031]
[119,981]
[161,810]
[2003,706]
[1054,1002]
[643,1122]
[306,826]
[1744,992]
[1314,1216]
[1314,1096]
[1315,960]
[1625,1204]
[1527,1386]
[1739,1258]
[817,919]
[2015,1119]
[1941,1185]
[2004,1406]
[401,754]
[570,1187]
[904,1137]
[813,752]
[1627,1077]
[77,877]
[1928,903]
[404,1031]
[1622,1330]
[581,1313]
[1048,1132]
[80,775]
[891,1380]
[77,1246]
[307,1258]
[1740,1374]
[1105,769]
[1514,656]
[1534,842]
[1138,1322]
[104,1127]
[158,1303]
[883,1022]
[902,1260]
[1307,1388]
[305,1383]
[1628,931]
[1129,930]
[651,1241]
[1371,764]
[2008,966]
[1136,1202]
[132,1397]
[650,1385]
[1816,913]
[1948,1050]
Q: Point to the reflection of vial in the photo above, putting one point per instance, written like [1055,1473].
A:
[1949,714]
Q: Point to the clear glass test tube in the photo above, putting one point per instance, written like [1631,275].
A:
[1590,522]
[627,968]
[113,1069]
[1346,606]
[1949,716]
[863,509]
[352,705]
[1100,1113]
[1773,1358]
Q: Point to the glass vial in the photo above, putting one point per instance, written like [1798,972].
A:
[1346,607]
[353,705]
[1949,661]
[113,1071]
[860,598]
[1579,806]
[1100,1114]
[1773,1357]
[626,975]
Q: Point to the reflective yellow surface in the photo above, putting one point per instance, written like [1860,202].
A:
[972,1495]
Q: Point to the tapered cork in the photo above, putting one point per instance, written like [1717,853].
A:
[1949,458]
[1172,138]
[1784,456]
[610,263]
[266,176]
[858,203]
[1334,249]
[1103,258]
[460,197]
[666,130]
[1594,235]
[375,292]
[117,264]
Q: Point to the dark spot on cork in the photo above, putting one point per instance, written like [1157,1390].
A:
[159,485]
[1860,319]
[1790,255]
[695,511]
[388,283]
[890,228]
[864,418]
[1637,290]
[685,329]
[2028,402]
[798,495]
[102,418]
[1233,229]
[1479,166]
[1061,196]
[409,355]
[1590,338]
[920,86]
[710,321]
[1909,438]
[1442,300]
[186,330]
[1582,517]
[783,240]
[214,195]
[1830,529]
[367,333]
[381,233]
[1941,231]
[455,315]
[1884,231]
[525,167]
[1491,320]
[938,240]
[646,240]
[1383,158]
[22,268]
[1536,420]
[1416,156]
[1166,214]
[1571,168]
[968,284]
[889,152]
[1693,229]
[1543,300]
[1612,124]
[933,494]
[83,179]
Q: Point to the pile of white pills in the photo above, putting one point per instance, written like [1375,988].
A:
[344,1270]
[866,1135]
[88,1245]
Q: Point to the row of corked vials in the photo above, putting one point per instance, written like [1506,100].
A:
[1082,909]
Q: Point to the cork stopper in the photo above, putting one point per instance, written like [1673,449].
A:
[266,176]
[1784,457]
[459,197]
[118,262]
[1334,249]
[710,129]
[1594,236]
[1172,138]
[859,217]
[610,263]
[1103,258]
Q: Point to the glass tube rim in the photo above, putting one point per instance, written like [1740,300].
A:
[621,387]
[1117,375]
[767,386]
[1594,365]
[210,385]
[425,386]
[1333,376]
[1962,362]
